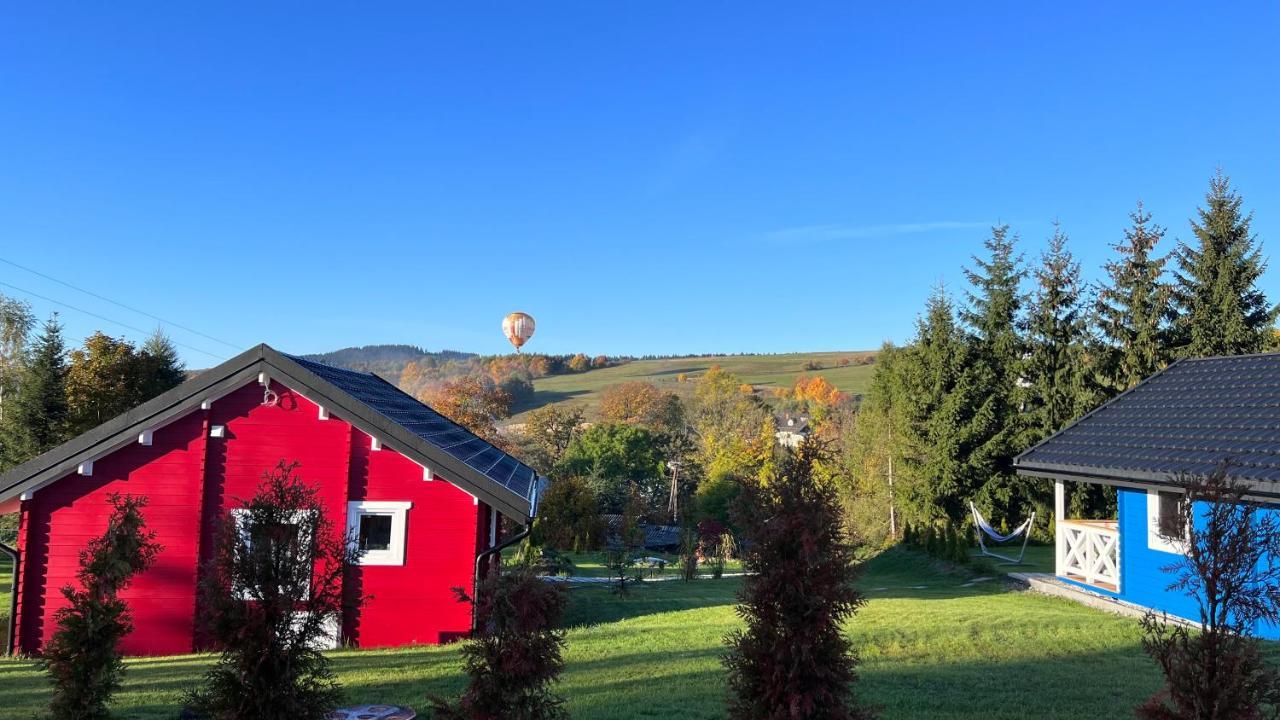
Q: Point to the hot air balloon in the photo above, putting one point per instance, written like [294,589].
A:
[518,327]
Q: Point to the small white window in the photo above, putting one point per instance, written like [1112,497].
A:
[378,528]
[298,538]
[1166,522]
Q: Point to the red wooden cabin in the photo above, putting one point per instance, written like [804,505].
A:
[424,493]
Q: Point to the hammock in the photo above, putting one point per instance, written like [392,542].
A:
[984,528]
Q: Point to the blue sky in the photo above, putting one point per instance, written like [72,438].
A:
[641,177]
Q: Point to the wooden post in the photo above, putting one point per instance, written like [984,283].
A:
[1059,535]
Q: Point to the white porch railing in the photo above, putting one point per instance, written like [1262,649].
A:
[1089,551]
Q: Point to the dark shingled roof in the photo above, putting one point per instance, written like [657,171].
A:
[419,419]
[1188,418]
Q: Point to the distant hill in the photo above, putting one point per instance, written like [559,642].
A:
[849,371]
[385,360]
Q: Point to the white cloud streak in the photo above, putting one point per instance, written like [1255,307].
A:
[835,232]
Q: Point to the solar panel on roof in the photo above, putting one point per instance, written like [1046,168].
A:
[423,422]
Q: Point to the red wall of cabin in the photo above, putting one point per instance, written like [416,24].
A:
[191,479]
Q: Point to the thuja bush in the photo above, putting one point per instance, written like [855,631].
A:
[271,600]
[793,660]
[516,655]
[1231,568]
[688,554]
[83,657]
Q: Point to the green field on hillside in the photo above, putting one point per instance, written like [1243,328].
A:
[933,644]
[765,372]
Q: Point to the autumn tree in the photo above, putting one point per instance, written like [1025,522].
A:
[36,419]
[733,430]
[1134,307]
[645,404]
[83,657]
[793,659]
[472,402]
[548,433]
[579,363]
[16,323]
[109,376]
[1221,309]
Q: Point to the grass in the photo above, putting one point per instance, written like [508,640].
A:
[933,645]
[592,564]
[6,579]
[763,371]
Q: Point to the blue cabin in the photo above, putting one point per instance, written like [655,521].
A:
[1185,420]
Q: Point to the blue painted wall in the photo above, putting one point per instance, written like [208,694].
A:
[1143,580]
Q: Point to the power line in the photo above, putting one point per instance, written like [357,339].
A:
[120,304]
[107,319]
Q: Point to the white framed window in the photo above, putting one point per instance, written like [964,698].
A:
[1166,522]
[378,528]
[299,539]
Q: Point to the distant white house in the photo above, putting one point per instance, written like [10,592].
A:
[792,430]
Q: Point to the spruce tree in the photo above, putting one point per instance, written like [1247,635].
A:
[947,414]
[162,369]
[1057,383]
[995,306]
[1221,310]
[1134,307]
[37,418]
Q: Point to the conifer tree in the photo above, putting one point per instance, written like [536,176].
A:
[793,659]
[37,418]
[161,369]
[1221,310]
[948,413]
[1133,307]
[995,306]
[1058,388]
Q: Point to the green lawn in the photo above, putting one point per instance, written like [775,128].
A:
[6,579]
[592,564]
[933,644]
[763,371]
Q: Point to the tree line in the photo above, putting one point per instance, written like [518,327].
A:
[1030,347]
[49,394]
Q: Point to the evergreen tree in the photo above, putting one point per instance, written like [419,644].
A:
[793,659]
[37,418]
[161,369]
[1058,389]
[997,348]
[948,413]
[1133,307]
[1221,310]
[1060,382]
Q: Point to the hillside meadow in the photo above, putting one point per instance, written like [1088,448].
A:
[763,372]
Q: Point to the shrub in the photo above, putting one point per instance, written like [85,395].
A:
[688,554]
[516,656]
[1229,569]
[569,516]
[272,599]
[794,660]
[83,657]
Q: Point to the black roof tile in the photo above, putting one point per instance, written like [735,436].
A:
[1188,418]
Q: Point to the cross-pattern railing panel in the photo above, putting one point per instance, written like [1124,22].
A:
[1091,552]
